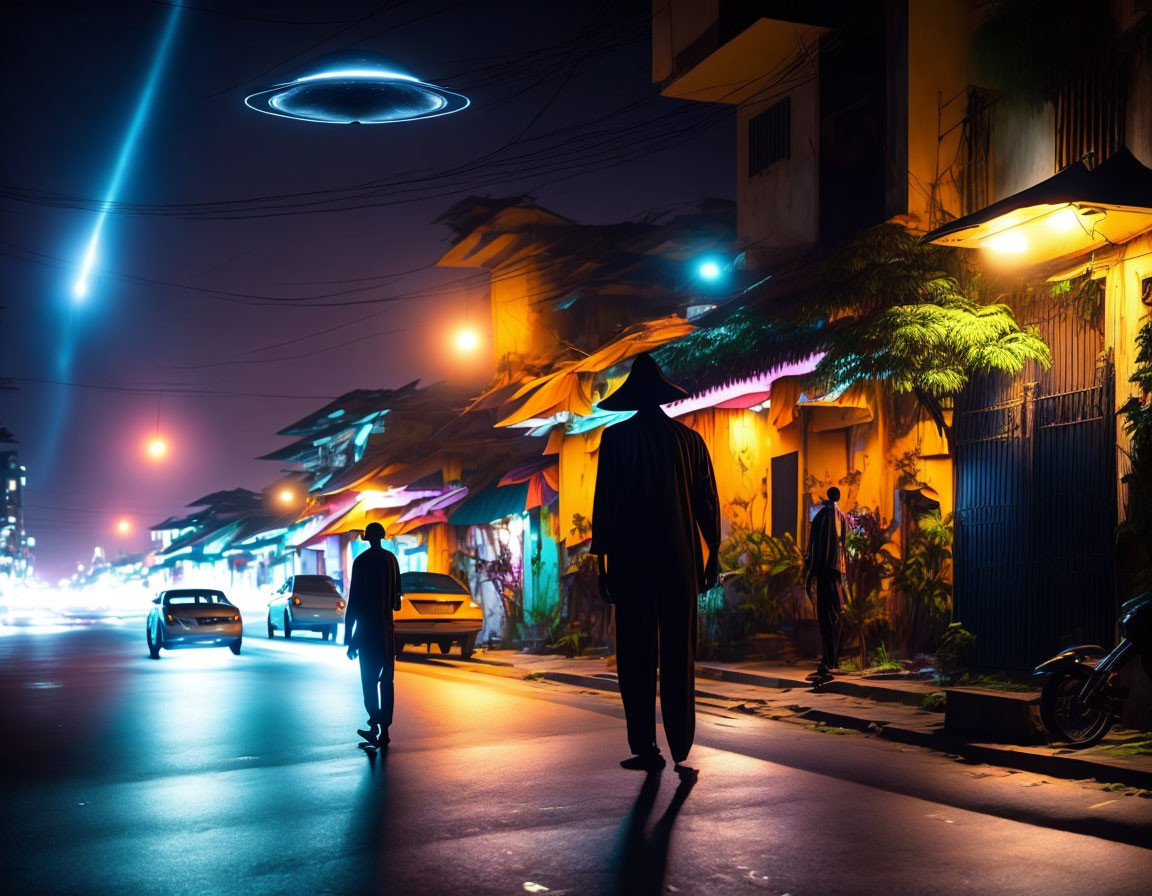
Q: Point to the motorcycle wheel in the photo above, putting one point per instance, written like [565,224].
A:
[1066,720]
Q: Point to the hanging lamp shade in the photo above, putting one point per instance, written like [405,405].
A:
[1073,212]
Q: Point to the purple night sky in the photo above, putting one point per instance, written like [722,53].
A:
[156,318]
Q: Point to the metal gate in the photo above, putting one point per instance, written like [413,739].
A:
[1035,504]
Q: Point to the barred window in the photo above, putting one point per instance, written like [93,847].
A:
[1090,116]
[770,136]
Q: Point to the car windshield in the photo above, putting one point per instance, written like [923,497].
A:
[195,597]
[314,585]
[430,583]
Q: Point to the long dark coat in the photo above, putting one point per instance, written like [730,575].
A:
[655,498]
[655,501]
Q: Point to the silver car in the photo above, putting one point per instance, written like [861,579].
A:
[193,617]
[306,603]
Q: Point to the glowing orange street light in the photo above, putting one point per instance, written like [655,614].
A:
[157,448]
[287,496]
[123,527]
[467,340]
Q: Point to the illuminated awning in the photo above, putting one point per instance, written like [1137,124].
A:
[833,410]
[743,393]
[490,505]
[1070,213]
[433,504]
[543,477]
[568,389]
[837,410]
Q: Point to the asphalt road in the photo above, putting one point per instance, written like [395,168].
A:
[203,772]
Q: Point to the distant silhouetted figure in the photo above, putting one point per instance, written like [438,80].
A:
[655,500]
[825,564]
[368,631]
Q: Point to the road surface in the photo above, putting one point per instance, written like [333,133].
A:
[204,772]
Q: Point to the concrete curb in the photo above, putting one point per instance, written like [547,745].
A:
[1062,766]
[1071,766]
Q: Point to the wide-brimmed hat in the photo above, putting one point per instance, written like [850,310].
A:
[646,386]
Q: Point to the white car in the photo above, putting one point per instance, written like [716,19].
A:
[193,617]
[306,603]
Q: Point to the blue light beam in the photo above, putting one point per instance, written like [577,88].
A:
[81,287]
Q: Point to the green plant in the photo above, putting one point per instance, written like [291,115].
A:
[572,642]
[896,313]
[869,564]
[922,577]
[769,574]
[549,617]
[954,639]
[937,701]
[882,661]
[547,610]
[860,613]
[1137,413]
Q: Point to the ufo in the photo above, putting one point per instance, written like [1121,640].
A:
[360,88]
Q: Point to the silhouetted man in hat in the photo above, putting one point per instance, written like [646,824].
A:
[655,502]
[825,564]
[368,631]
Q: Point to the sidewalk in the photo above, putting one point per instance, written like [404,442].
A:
[889,708]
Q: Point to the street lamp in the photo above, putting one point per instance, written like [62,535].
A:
[124,527]
[157,448]
[467,340]
[709,270]
[287,496]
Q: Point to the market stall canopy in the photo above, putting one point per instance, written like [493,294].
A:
[354,519]
[491,504]
[568,390]
[1073,212]
[543,477]
[833,410]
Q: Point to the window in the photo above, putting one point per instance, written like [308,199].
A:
[1090,117]
[770,136]
[319,584]
[430,583]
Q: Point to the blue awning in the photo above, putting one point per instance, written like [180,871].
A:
[492,504]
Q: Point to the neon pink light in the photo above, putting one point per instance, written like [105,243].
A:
[754,388]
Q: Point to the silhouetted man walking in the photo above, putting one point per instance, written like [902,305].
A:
[826,562]
[368,631]
[655,499]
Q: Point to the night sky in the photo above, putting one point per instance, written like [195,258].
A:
[190,288]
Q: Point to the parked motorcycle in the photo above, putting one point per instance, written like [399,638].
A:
[1079,703]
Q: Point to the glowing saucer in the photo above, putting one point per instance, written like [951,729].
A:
[367,88]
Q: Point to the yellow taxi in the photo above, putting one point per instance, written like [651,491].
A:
[437,609]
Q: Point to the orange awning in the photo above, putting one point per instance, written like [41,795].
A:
[568,389]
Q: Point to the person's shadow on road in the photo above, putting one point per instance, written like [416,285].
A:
[641,859]
[368,831]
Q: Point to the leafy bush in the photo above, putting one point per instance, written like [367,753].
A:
[768,575]
[922,578]
[1137,411]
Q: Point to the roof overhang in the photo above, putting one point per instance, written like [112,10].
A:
[743,67]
